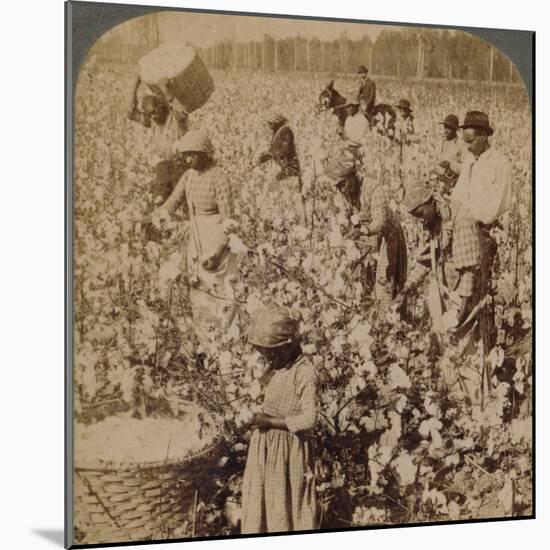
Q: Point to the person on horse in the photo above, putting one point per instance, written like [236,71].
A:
[366,95]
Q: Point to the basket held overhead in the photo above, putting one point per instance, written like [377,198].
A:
[181,70]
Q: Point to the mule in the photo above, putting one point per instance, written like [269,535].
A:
[382,116]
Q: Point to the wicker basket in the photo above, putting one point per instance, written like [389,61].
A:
[193,86]
[134,502]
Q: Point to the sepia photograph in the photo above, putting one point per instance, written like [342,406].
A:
[301,276]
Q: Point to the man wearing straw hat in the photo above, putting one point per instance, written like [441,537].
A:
[452,262]
[484,188]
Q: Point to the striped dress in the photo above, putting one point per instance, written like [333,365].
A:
[278,492]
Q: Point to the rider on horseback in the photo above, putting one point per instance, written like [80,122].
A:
[366,96]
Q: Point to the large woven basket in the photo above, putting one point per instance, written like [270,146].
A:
[134,502]
[193,86]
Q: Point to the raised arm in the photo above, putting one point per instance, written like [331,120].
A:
[132,111]
[176,198]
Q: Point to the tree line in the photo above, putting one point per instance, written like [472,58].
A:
[403,53]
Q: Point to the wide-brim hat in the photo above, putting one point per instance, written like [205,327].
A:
[477,119]
[273,326]
[340,169]
[450,121]
[404,104]
[362,69]
[417,195]
[194,141]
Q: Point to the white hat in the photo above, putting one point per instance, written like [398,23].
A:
[194,140]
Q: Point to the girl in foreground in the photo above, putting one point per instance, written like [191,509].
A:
[279,482]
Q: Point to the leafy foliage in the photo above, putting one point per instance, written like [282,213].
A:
[392,445]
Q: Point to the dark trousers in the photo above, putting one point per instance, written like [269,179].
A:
[488,253]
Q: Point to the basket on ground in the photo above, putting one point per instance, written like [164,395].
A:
[135,502]
[136,479]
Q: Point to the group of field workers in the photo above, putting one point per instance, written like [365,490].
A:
[458,205]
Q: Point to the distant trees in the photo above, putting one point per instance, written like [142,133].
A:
[402,52]
[407,53]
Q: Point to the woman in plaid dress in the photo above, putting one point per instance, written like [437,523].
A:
[278,492]
[205,194]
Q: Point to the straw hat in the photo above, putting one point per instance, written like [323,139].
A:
[340,169]
[273,326]
[417,195]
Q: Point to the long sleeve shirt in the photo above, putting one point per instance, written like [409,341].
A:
[484,186]
[163,136]
[376,216]
[283,152]
[355,128]
[208,192]
[291,393]
[452,151]
[455,253]
[404,127]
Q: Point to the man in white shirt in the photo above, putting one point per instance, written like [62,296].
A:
[484,188]
[355,128]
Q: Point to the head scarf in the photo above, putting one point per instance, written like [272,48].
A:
[277,119]
[194,141]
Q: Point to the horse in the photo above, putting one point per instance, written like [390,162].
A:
[382,116]
[331,99]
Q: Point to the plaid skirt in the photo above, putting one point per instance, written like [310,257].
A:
[278,492]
